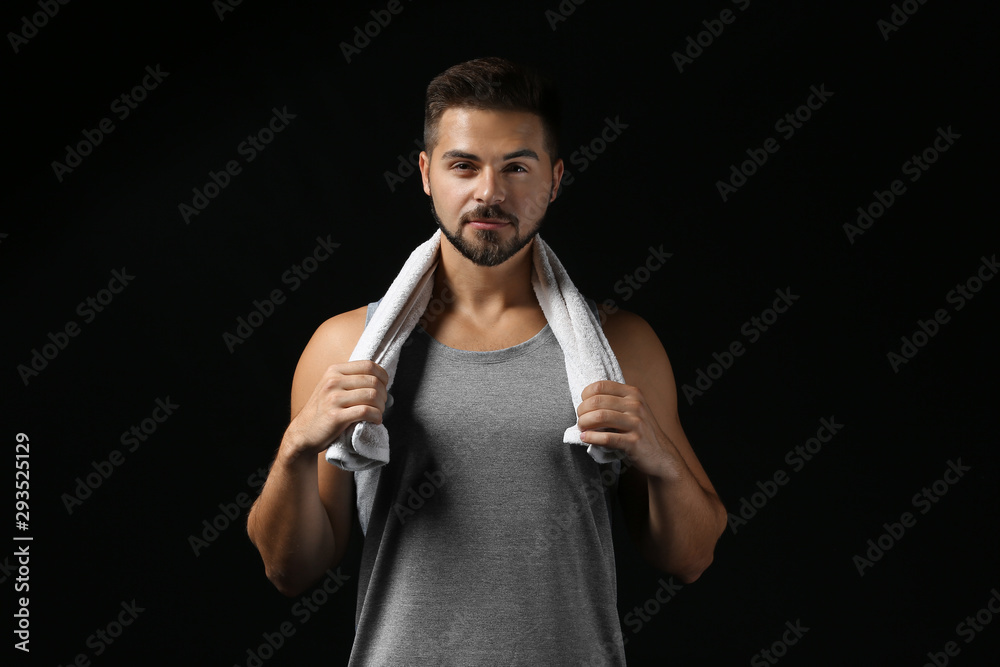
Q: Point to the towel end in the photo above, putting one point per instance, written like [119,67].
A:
[359,448]
[599,454]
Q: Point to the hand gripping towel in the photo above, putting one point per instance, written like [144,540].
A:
[588,355]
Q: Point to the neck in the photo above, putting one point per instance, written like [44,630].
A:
[483,293]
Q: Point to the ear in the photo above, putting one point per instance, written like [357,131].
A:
[425,171]
[557,174]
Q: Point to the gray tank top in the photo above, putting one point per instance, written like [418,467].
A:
[487,539]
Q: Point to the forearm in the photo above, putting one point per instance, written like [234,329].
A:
[289,524]
[684,522]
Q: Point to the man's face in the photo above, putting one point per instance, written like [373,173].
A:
[490,181]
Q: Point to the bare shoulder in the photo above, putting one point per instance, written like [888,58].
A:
[334,339]
[636,345]
[645,365]
[331,343]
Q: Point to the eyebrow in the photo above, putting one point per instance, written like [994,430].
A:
[524,152]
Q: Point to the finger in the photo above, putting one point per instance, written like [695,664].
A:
[631,404]
[360,381]
[609,439]
[375,398]
[605,387]
[363,413]
[604,419]
[603,402]
[364,367]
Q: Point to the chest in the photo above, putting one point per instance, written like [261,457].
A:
[464,334]
[496,407]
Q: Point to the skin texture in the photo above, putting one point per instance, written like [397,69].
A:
[487,167]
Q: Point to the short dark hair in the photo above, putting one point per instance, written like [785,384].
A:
[493,84]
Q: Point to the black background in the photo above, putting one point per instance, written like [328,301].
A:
[324,176]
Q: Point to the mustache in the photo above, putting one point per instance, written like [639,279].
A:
[493,212]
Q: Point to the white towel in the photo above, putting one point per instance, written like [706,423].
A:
[588,355]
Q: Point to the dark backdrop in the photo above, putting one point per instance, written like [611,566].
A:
[145,531]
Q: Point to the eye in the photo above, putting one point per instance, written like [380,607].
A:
[462,166]
[517,168]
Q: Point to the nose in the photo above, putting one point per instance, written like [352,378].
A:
[490,188]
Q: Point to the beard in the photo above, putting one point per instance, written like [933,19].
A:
[487,248]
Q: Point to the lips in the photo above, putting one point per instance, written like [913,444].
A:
[487,223]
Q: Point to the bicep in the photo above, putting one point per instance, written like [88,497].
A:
[336,492]
[645,365]
[332,343]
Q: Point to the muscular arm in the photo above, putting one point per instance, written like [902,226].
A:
[302,520]
[672,510]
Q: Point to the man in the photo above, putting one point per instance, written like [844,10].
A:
[485,541]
